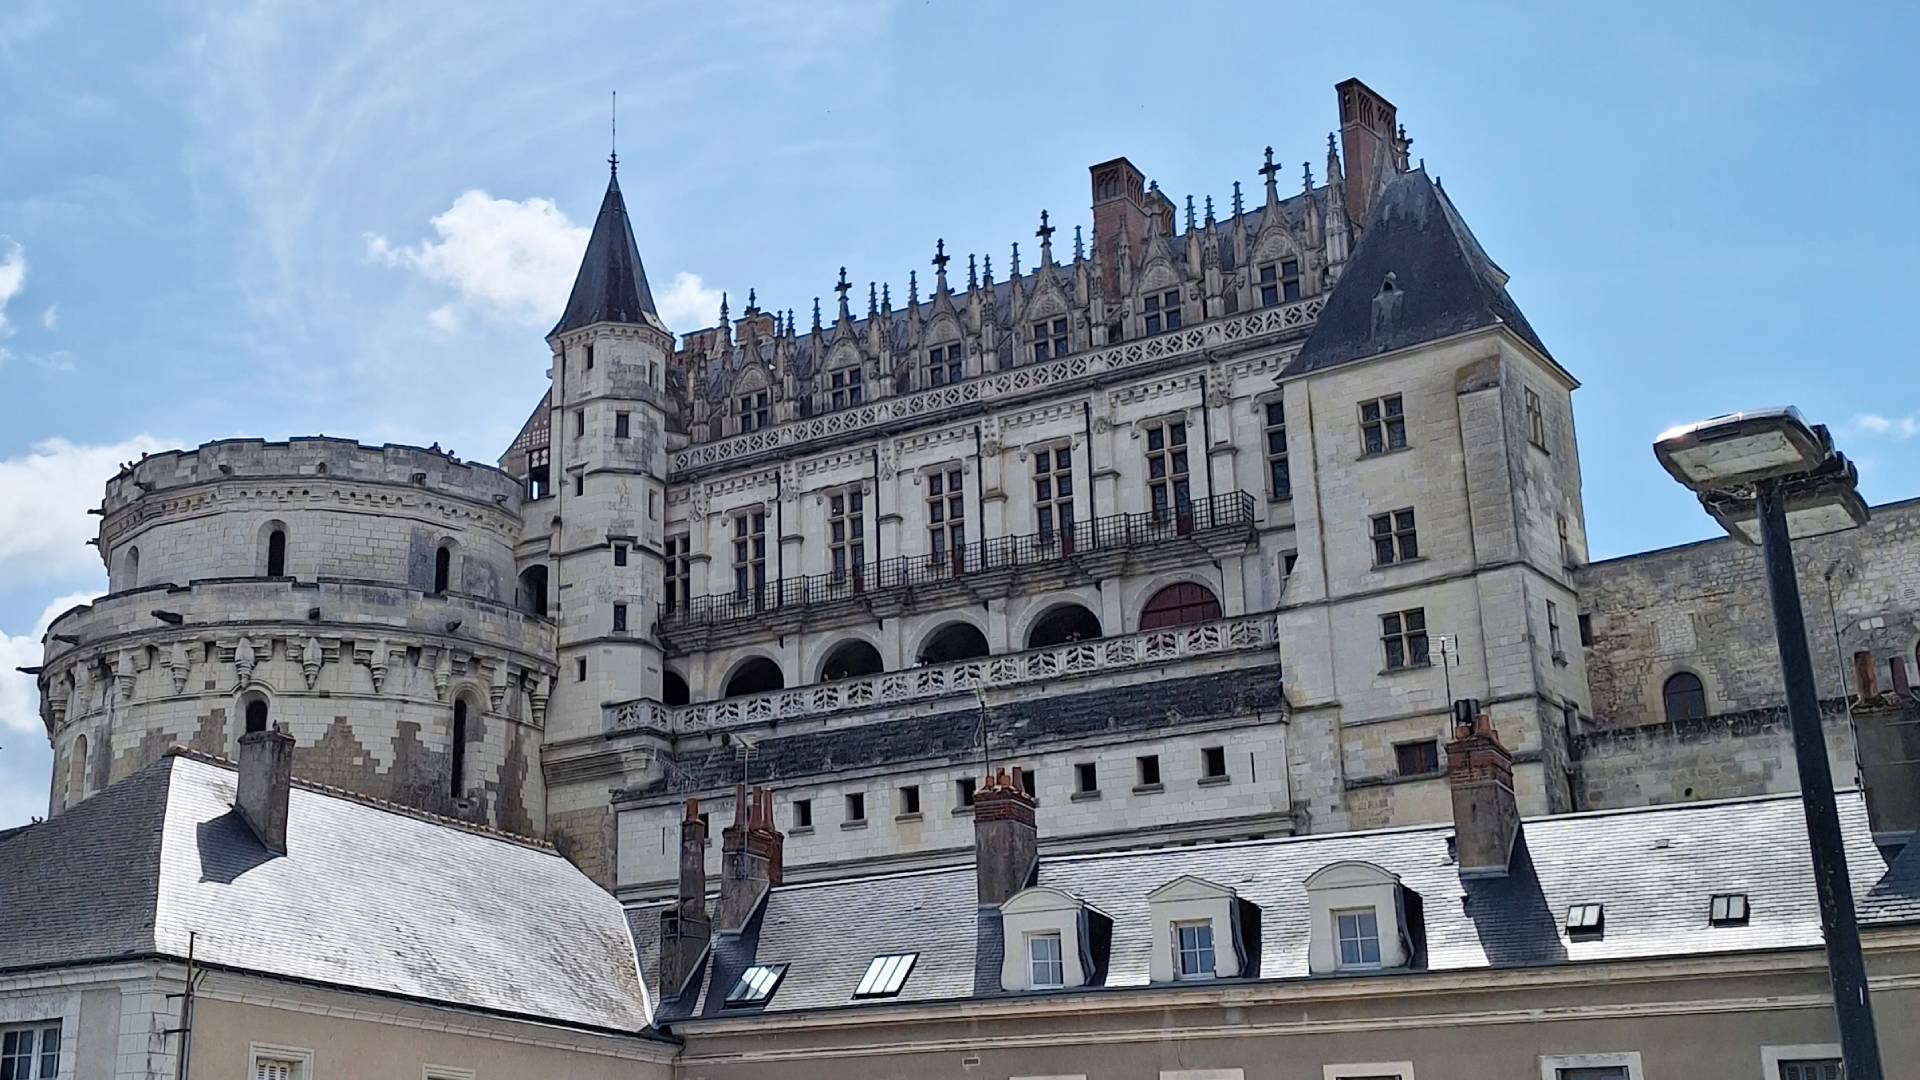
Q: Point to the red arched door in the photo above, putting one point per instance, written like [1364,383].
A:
[1178,605]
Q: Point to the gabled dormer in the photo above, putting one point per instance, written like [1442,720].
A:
[1363,919]
[1201,931]
[1053,941]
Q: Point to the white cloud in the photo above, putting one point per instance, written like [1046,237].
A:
[13,276]
[50,318]
[44,524]
[1894,427]
[19,696]
[510,260]
[688,304]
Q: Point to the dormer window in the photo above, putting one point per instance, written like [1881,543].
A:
[1279,282]
[753,411]
[1050,339]
[1053,940]
[946,364]
[1045,968]
[1359,937]
[1193,950]
[849,387]
[1363,919]
[1163,311]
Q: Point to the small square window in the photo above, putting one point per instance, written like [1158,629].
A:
[1193,950]
[910,799]
[1213,762]
[1086,778]
[963,788]
[1148,766]
[1417,758]
[803,813]
[856,806]
[1046,969]
[1358,932]
[755,985]
[620,425]
[886,975]
[1728,909]
[1586,920]
[619,554]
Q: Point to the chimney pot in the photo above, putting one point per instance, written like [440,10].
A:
[266,777]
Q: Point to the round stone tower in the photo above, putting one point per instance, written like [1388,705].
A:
[362,598]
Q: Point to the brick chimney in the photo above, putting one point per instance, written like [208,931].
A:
[1486,818]
[684,927]
[266,775]
[1119,206]
[1006,849]
[1366,131]
[751,858]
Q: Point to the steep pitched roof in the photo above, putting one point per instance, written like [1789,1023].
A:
[367,897]
[612,284]
[1655,869]
[1446,283]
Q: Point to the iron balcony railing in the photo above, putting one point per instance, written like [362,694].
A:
[1115,532]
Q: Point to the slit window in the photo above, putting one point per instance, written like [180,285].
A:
[458,779]
[755,985]
[619,618]
[1728,909]
[886,975]
[580,669]
[1536,421]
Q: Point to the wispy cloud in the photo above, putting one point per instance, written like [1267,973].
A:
[13,277]
[1891,427]
[508,259]
[44,525]
[688,303]
[50,318]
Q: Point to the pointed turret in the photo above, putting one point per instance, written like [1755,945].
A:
[612,283]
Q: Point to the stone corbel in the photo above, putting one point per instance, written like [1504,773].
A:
[57,692]
[497,688]
[244,660]
[542,686]
[311,657]
[442,674]
[178,661]
[377,662]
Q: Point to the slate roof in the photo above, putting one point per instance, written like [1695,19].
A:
[1447,284]
[612,283]
[1654,869]
[368,898]
[1896,897]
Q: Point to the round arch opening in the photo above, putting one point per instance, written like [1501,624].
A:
[756,676]
[853,659]
[1684,697]
[1178,605]
[673,689]
[256,712]
[1063,625]
[533,589]
[954,641]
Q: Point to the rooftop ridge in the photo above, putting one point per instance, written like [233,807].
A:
[201,756]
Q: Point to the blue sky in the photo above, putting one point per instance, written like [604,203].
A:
[221,219]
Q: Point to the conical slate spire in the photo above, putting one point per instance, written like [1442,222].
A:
[612,284]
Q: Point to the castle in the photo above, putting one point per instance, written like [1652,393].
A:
[1207,517]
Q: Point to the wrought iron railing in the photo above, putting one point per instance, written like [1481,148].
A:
[1220,636]
[1114,532]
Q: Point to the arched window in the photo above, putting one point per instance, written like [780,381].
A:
[1684,696]
[673,689]
[756,676]
[277,553]
[850,660]
[131,568]
[954,641]
[1063,625]
[458,780]
[1178,605]
[533,589]
[442,568]
[256,715]
[77,774]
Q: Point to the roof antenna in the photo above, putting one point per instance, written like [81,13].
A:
[613,130]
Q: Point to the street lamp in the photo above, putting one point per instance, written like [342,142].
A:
[1768,478]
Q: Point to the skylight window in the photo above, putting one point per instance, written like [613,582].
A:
[1586,920]
[1728,909]
[886,975]
[756,985]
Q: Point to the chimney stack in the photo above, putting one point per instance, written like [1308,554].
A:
[751,858]
[1486,817]
[1119,208]
[684,927]
[1366,130]
[1006,847]
[266,774]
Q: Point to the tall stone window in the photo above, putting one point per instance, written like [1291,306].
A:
[539,471]
[1053,492]
[1684,697]
[753,411]
[1394,538]
[946,364]
[277,553]
[1168,489]
[750,555]
[1279,476]
[1383,425]
[1536,420]
[847,535]
[946,516]
[1279,282]
[1163,311]
[442,568]
[679,580]
[1553,630]
[77,774]
[457,771]
[1050,338]
[1403,636]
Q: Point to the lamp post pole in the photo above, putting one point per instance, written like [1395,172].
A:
[1846,968]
